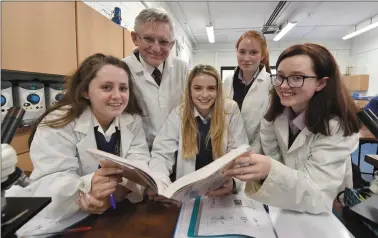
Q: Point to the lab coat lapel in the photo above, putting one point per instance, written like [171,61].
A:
[300,140]
[260,79]
[126,135]
[84,127]
[167,72]
[228,87]
[138,72]
[282,126]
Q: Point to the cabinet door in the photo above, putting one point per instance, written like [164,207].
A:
[128,44]
[96,34]
[38,37]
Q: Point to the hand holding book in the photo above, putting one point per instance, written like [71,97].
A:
[250,166]
[187,187]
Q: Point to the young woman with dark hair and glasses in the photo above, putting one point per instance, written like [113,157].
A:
[307,135]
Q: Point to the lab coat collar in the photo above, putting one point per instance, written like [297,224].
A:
[149,68]
[85,123]
[282,125]
[254,76]
[111,129]
[138,66]
[204,120]
[263,75]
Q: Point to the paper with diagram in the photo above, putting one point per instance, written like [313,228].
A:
[232,215]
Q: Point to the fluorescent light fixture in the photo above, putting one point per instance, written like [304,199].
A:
[360,31]
[285,30]
[210,33]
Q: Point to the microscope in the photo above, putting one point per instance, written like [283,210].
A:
[365,212]
[11,175]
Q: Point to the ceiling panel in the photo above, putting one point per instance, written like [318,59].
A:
[336,13]
[298,32]
[240,14]
[196,15]
[327,32]
[316,20]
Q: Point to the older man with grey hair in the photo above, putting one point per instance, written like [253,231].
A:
[159,77]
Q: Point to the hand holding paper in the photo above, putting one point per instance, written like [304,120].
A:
[225,189]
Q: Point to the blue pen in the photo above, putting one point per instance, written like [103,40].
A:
[111,197]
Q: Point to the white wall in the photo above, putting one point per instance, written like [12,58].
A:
[224,54]
[129,10]
[364,58]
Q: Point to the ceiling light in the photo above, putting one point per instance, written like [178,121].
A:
[210,33]
[367,28]
[285,30]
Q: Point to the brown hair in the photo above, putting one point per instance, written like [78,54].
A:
[332,101]
[76,85]
[264,46]
[189,122]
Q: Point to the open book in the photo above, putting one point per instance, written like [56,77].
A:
[189,186]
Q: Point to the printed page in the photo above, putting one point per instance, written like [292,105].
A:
[233,215]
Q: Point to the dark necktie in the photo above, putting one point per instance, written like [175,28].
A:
[157,76]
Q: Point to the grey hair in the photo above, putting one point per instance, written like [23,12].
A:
[154,15]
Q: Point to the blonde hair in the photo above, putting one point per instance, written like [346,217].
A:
[264,46]
[189,122]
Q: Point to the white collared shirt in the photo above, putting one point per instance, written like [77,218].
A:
[240,76]
[203,119]
[149,68]
[296,123]
[110,131]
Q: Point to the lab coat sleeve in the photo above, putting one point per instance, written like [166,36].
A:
[138,152]
[269,141]
[165,145]
[256,143]
[313,187]
[237,133]
[54,156]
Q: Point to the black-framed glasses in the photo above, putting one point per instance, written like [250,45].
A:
[151,41]
[294,81]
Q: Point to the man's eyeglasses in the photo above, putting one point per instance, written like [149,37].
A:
[150,41]
[294,81]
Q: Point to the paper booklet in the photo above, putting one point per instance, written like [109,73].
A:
[230,216]
[187,187]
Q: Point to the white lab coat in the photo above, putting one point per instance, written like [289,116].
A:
[157,102]
[169,140]
[63,167]
[308,176]
[254,106]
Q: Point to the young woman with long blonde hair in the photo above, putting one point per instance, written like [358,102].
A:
[202,129]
